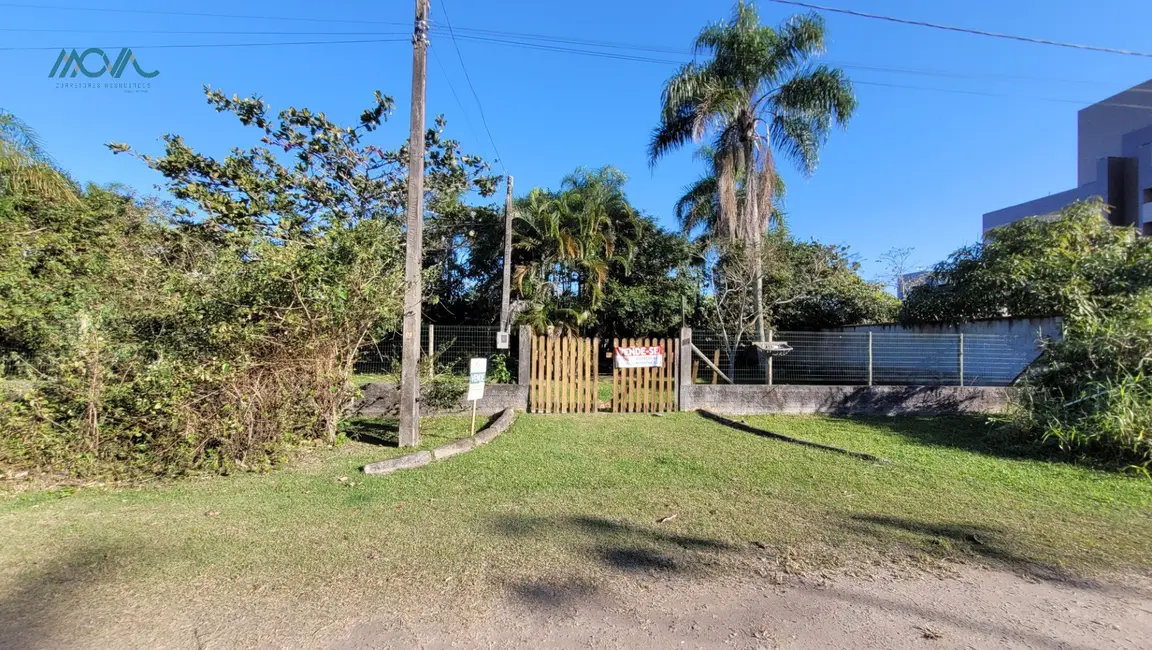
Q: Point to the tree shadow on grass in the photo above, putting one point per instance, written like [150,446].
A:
[385,433]
[950,539]
[40,610]
[974,433]
[621,547]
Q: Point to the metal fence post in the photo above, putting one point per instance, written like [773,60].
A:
[771,334]
[869,358]
[961,359]
[431,351]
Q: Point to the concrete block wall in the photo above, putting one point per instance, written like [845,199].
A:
[745,399]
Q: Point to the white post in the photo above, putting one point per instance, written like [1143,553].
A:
[869,358]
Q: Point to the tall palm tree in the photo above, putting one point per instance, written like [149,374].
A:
[570,240]
[758,95]
[25,166]
[699,207]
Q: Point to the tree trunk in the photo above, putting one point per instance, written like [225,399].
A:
[752,228]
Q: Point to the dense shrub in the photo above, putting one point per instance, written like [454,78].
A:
[212,333]
[1092,392]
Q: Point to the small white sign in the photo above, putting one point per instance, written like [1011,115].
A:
[640,357]
[476,371]
[502,340]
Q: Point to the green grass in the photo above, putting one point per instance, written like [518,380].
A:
[573,498]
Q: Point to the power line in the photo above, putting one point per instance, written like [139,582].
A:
[198,32]
[197,14]
[626,57]
[463,112]
[964,30]
[569,50]
[520,38]
[479,104]
[210,45]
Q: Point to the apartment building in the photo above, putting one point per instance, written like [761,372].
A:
[1114,162]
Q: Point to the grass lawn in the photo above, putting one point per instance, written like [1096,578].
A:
[572,498]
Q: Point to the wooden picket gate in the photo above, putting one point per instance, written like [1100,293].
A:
[564,374]
[647,390]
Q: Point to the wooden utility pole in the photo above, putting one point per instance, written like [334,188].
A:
[506,295]
[414,253]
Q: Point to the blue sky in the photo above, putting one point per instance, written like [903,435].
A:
[916,167]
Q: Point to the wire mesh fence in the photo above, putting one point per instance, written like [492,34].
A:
[451,347]
[864,358]
[14,363]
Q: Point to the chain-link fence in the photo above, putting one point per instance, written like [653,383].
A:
[864,358]
[13,363]
[451,348]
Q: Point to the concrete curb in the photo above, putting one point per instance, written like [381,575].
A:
[421,458]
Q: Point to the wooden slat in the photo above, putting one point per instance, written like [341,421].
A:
[664,346]
[586,369]
[562,364]
[634,384]
[551,372]
[669,387]
[572,376]
[566,376]
[577,377]
[641,387]
[662,371]
[615,405]
[544,367]
[649,393]
[623,374]
[626,380]
[534,381]
[676,375]
[595,374]
[629,380]
[716,362]
[573,384]
[543,374]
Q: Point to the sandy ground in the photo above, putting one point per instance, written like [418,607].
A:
[974,608]
[962,607]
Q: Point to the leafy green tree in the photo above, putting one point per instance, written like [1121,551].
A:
[757,97]
[661,286]
[1034,267]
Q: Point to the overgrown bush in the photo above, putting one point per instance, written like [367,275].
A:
[1093,391]
[212,333]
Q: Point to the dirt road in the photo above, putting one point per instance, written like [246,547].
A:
[974,608]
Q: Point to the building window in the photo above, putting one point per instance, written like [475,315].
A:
[1148,194]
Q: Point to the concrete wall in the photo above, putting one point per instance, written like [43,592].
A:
[1048,326]
[383,400]
[996,350]
[843,400]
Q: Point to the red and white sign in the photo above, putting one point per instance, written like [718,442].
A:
[640,357]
